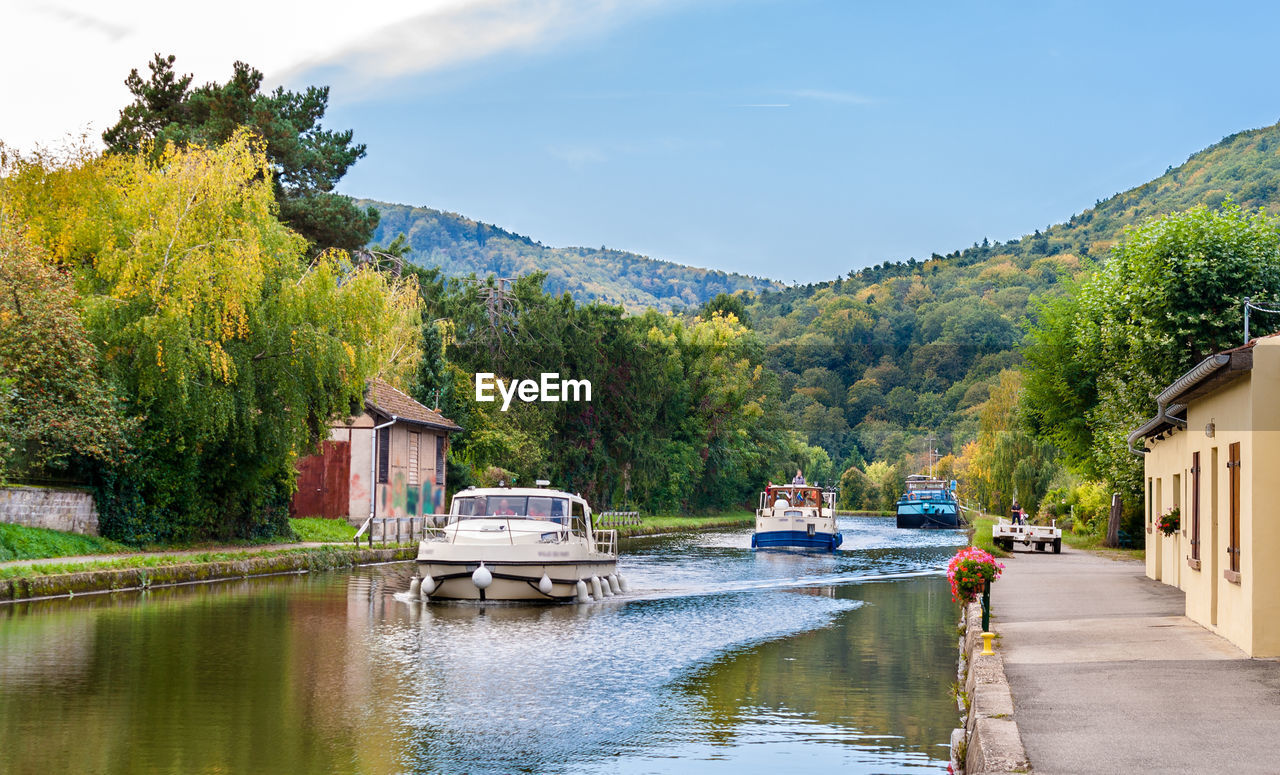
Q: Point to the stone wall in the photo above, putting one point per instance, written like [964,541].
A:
[989,742]
[71,511]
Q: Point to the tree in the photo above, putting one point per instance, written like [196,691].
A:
[231,354]
[1168,296]
[57,414]
[306,159]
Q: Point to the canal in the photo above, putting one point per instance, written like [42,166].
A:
[721,660]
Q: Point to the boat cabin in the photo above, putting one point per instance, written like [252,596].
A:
[796,496]
[518,503]
[926,488]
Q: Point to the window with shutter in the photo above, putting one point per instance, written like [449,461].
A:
[384,454]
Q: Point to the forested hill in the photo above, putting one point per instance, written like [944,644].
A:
[461,246]
[882,358]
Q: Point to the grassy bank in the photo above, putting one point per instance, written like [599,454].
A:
[33,543]
[321,530]
[980,536]
[142,572]
[1092,542]
[665,523]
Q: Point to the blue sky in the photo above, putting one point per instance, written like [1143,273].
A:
[793,139]
[908,128]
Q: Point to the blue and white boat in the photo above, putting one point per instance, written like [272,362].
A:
[929,503]
[794,515]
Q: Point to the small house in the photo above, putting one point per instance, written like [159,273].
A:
[1210,453]
[389,460]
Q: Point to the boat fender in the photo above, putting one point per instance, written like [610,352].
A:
[604,586]
[622,584]
[428,586]
[415,586]
[582,591]
[544,584]
[613,585]
[595,588]
[482,578]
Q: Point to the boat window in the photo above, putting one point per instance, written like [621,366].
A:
[467,507]
[547,508]
[506,506]
[793,513]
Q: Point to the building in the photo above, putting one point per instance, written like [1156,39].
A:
[1211,452]
[396,443]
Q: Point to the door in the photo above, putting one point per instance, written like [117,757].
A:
[324,482]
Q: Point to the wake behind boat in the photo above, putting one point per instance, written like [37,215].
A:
[518,544]
[796,515]
[928,503]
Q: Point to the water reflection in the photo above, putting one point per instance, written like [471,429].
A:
[722,658]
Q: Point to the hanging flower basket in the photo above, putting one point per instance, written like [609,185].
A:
[969,571]
[1170,521]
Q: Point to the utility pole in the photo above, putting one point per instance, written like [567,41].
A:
[498,303]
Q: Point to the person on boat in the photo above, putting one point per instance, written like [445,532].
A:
[504,509]
[537,509]
[799,478]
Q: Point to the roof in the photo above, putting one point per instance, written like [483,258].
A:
[387,401]
[1205,377]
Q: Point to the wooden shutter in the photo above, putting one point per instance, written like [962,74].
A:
[413,459]
[1233,538]
[1195,505]
[440,460]
[384,454]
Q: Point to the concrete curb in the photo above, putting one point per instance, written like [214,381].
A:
[121,579]
[990,739]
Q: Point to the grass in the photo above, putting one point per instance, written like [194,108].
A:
[319,529]
[1092,542]
[662,523]
[158,560]
[981,535]
[34,543]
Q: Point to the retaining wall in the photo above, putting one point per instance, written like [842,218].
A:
[989,741]
[90,580]
[71,511]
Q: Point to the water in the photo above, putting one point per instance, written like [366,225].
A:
[722,660]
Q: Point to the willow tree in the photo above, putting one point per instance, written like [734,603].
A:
[230,349]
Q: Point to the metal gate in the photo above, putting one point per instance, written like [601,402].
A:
[324,482]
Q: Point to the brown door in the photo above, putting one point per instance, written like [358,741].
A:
[324,482]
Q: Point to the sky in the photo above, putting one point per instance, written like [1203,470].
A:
[790,139]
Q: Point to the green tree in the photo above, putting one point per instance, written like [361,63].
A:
[230,353]
[307,160]
[1168,295]
[57,414]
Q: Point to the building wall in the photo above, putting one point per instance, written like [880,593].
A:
[1247,411]
[359,432]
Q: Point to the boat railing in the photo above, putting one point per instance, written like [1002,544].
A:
[606,542]
[618,518]
[397,530]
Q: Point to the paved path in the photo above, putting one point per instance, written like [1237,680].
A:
[1108,676]
[175,554]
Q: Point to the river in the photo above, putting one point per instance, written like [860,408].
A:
[721,660]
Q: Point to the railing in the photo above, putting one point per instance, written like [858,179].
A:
[606,542]
[618,518]
[398,530]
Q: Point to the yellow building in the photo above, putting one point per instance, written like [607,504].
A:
[1213,452]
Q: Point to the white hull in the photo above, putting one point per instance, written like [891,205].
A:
[513,581]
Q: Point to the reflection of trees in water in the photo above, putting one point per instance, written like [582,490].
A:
[883,670]
[256,681]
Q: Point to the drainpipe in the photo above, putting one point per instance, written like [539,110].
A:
[1164,401]
[373,466]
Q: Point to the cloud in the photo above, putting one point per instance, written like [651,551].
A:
[578,156]
[67,67]
[454,32]
[840,97]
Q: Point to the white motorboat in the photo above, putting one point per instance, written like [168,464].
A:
[518,544]
[796,516]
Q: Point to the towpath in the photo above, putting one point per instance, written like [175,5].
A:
[1108,676]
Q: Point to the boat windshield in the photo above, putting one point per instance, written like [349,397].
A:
[795,496]
[519,506]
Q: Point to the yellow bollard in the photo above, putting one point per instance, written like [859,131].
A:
[986,643]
